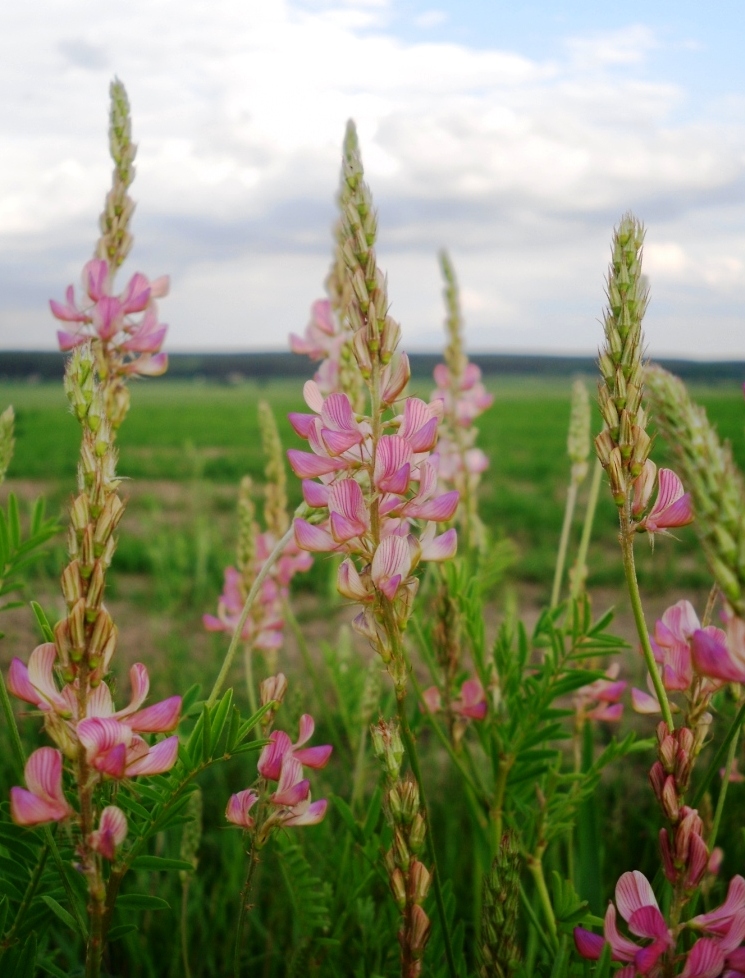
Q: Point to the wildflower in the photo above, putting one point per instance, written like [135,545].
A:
[471,704]
[43,800]
[637,905]
[280,746]
[672,507]
[111,832]
[600,700]
[239,805]
[130,346]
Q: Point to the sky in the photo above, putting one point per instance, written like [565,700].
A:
[514,135]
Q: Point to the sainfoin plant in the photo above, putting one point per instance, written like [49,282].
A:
[421,784]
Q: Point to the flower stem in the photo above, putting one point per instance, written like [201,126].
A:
[253,858]
[248,604]
[535,867]
[248,665]
[580,564]
[184,940]
[723,791]
[564,542]
[627,551]
[410,745]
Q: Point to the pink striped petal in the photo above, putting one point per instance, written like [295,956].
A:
[589,945]
[140,682]
[107,316]
[647,957]
[393,464]
[272,755]
[41,675]
[315,494]
[425,438]
[99,703]
[111,832]
[719,920]
[394,381]
[633,891]
[147,366]
[305,729]
[712,658]
[238,808]
[311,815]
[43,774]
[439,510]
[337,413]
[349,582]
[606,712]
[648,922]
[158,718]
[27,809]
[642,702]
[314,757]
[705,960]
[306,465]
[313,538]
[622,948]
[95,275]
[68,313]
[111,762]
[443,547]
[337,442]
[391,563]
[19,685]
[100,734]
[68,341]
[160,286]
[136,295]
[292,787]
[145,340]
[302,423]
[313,396]
[158,759]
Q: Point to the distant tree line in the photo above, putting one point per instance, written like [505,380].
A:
[235,367]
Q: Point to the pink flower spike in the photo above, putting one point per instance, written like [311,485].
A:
[238,808]
[111,832]
[158,759]
[393,465]
[672,507]
[158,718]
[44,801]
[711,656]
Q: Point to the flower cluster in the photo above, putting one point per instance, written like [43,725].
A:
[324,340]
[128,345]
[693,660]
[64,679]
[281,761]
[718,953]
[367,495]
[470,704]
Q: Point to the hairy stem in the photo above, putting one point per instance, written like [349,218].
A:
[580,564]
[627,551]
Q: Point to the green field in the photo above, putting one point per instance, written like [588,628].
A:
[201,438]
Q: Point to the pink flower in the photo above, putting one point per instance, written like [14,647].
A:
[133,345]
[637,905]
[111,832]
[43,800]
[114,749]
[292,798]
[238,808]
[280,746]
[671,508]
[600,700]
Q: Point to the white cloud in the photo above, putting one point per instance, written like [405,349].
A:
[430,18]
[520,166]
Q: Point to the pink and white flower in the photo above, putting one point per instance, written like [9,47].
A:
[42,800]
[111,832]
[672,507]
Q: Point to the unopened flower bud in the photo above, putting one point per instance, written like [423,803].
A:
[388,746]
[398,888]
[419,881]
[417,833]
[273,689]
[401,854]
[72,584]
[420,930]
[669,800]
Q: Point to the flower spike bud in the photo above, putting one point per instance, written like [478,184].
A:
[7,443]
[388,746]
[578,439]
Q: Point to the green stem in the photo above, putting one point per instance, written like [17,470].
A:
[580,564]
[312,674]
[410,745]
[248,604]
[564,542]
[627,551]
[253,858]
[248,665]
[537,929]
[184,941]
[497,805]
[723,791]
[535,867]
